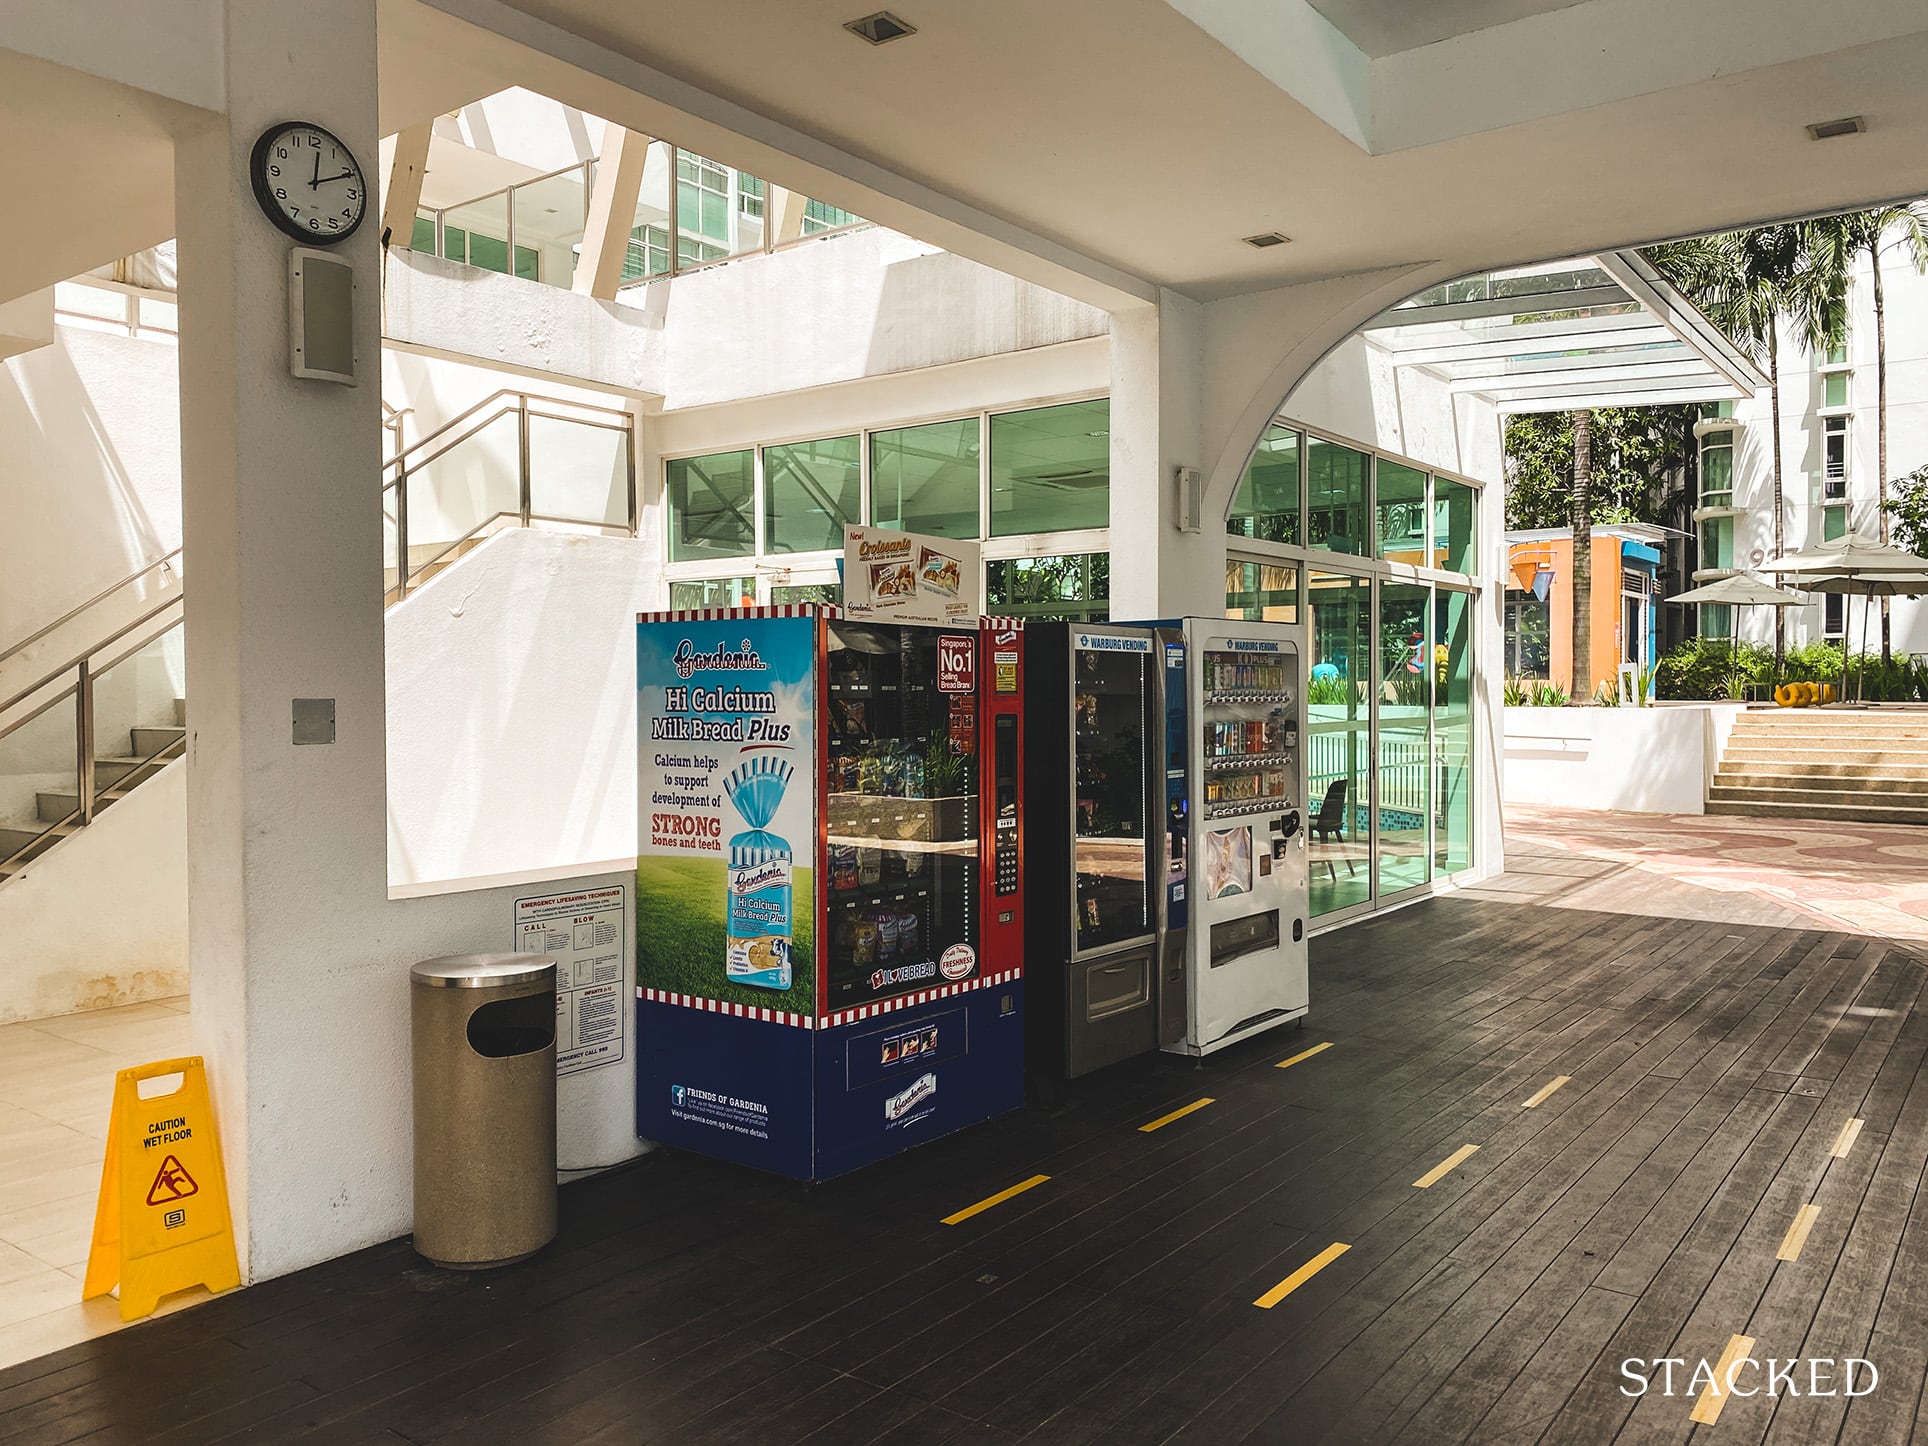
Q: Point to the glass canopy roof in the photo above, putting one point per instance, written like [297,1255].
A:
[1601,331]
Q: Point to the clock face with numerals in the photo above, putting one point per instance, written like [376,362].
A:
[308,183]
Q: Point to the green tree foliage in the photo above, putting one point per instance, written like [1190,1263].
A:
[1640,456]
[1907,511]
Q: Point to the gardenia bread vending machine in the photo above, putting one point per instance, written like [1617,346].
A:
[1245,906]
[829,883]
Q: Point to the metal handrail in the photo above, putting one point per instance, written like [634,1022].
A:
[464,427]
[81,690]
[99,597]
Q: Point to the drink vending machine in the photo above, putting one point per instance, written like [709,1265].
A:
[830,883]
[1245,904]
[1166,839]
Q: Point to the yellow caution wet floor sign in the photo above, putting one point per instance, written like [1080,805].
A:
[162,1223]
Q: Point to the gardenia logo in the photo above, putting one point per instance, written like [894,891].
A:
[1814,1376]
[745,659]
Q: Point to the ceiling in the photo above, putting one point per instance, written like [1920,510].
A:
[1385,27]
[1132,149]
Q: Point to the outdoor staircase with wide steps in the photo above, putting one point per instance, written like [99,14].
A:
[1854,765]
[115,776]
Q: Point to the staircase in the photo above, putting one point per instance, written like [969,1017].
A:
[115,776]
[1860,766]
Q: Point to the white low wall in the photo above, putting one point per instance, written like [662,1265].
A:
[101,918]
[1636,760]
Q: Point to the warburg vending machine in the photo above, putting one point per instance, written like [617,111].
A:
[1100,857]
[829,883]
[1244,909]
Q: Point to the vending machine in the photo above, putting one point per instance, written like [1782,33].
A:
[830,883]
[1097,850]
[1244,908]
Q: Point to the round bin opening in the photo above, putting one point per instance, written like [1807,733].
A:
[508,1027]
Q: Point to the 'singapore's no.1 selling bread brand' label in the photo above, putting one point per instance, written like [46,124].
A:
[759,879]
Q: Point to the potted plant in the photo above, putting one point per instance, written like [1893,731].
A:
[948,787]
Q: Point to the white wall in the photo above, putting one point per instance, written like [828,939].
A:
[91,486]
[101,919]
[512,711]
[1636,760]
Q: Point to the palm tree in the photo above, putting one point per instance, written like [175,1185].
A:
[1582,690]
[1748,283]
[1837,241]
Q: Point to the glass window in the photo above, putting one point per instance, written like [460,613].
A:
[423,236]
[1717,542]
[1455,526]
[1261,592]
[1834,442]
[807,592]
[477,232]
[1402,512]
[924,479]
[1834,523]
[1405,698]
[714,592]
[810,490]
[711,505]
[1716,620]
[1717,470]
[1051,468]
[1335,504]
[1267,504]
[1452,781]
[822,216]
[1339,738]
[648,251]
[1528,629]
[1837,356]
[1834,613]
[1835,389]
[1073,587]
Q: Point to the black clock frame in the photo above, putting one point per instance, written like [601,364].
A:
[264,194]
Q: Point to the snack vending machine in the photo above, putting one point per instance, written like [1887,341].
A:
[829,883]
[1095,750]
[1245,947]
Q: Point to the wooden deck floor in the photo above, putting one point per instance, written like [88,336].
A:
[1637,1210]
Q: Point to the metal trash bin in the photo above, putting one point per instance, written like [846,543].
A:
[485,1107]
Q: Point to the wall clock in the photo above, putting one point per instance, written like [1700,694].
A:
[308,183]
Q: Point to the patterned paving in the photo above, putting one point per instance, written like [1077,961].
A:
[1862,878]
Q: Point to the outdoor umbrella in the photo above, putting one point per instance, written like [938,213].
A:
[1855,565]
[1742,590]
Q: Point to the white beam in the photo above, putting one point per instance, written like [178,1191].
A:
[612,212]
[407,157]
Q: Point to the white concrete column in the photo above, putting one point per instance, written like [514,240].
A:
[783,212]
[1157,358]
[287,878]
[612,212]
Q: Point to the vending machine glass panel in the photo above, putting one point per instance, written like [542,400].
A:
[1109,855]
[901,846]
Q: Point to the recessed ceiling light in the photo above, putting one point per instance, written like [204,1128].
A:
[880,27]
[1828,130]
[1270,238]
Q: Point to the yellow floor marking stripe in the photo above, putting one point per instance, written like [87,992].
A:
[1177,1114]
[1307,1054]
[1797,1233]
[1432,1176]
[1714,1394]
[1844,1142]
[1300,1276]
[997,1199]
[1546,1090]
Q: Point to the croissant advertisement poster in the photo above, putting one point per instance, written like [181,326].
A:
[906,577]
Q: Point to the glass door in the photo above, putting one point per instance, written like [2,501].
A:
[1111,698]
[901,812]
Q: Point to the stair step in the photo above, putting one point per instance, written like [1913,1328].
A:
[13,840]
[1819,752]
[1844,813]
[1814,797]
[1915,771]
[149,741]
